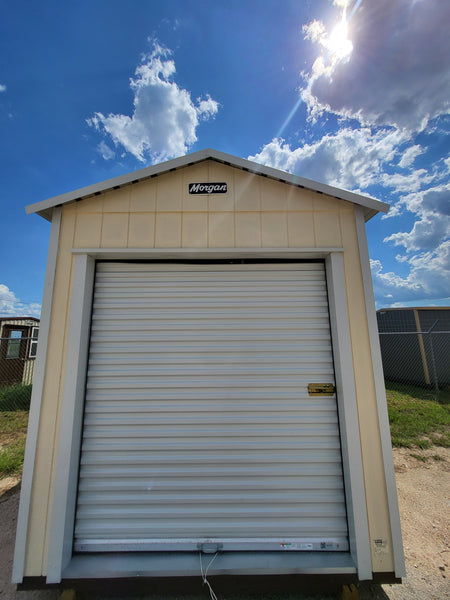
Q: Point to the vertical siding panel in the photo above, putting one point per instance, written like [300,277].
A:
[194,232]
[221,230]
[221,202]
[117,201]
[301,230]
[299,199]
[219,172]
[192,203]
[321,202]
[141,232]
[88,230]
[169,192]
[248,230]
[168,230]
[143,196]
[247,191]
[273,195]
[90,205]
[274,230]
[327,229]
[115,230]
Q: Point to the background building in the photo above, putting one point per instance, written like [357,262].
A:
[18,347]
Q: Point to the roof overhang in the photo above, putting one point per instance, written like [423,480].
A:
[45,208]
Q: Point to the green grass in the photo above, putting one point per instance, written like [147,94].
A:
[11,459]
[14,421]
[417,419]
[13,427]
[15,397]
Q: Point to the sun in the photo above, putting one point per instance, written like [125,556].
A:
[338,43]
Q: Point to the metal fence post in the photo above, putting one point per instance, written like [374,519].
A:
[433,361]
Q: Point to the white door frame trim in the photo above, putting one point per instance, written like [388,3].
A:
[63,514]
[64,502]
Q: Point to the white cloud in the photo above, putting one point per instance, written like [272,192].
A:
[206,108]
[432,227]
[11,306]
[410,155]
[434,200]
[350,159]
[397,72]
[427,233]
[2,88]
[105,151]
[412,182]
[428,279]
[437,200]
[164,119]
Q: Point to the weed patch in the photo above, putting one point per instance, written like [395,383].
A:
[11,458]
[13,429]
[416,418]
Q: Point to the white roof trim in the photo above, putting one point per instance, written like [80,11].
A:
[45,208]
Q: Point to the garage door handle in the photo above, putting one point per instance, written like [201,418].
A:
[321,389]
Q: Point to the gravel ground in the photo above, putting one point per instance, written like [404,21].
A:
[423,481]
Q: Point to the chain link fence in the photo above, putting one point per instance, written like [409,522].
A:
[415,348]
[17,359]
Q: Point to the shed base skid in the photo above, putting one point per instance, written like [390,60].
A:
[157,586]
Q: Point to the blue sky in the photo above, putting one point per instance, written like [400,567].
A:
[355,94]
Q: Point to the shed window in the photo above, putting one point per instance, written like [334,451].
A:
[13,350]
[33,342]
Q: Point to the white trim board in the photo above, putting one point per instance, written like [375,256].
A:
[348,416]
[63,515]
[205,253]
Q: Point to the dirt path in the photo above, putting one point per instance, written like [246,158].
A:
[423,483]
[424,497]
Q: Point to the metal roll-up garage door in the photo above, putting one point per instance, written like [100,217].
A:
[199,428]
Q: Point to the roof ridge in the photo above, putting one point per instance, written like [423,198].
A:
[45,207]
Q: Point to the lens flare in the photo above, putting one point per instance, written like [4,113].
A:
[338,43]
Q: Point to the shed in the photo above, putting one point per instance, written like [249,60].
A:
[208,381]
[18,345]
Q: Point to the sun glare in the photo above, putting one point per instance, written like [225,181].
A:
[338,43]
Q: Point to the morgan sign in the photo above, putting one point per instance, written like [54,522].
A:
[208,188]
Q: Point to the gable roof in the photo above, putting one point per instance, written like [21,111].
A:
[45,208]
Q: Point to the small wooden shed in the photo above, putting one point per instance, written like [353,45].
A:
[208,381]
[18,345]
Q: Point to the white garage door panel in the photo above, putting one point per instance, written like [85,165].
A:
[198,423]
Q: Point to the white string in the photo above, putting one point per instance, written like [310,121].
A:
[205,580]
